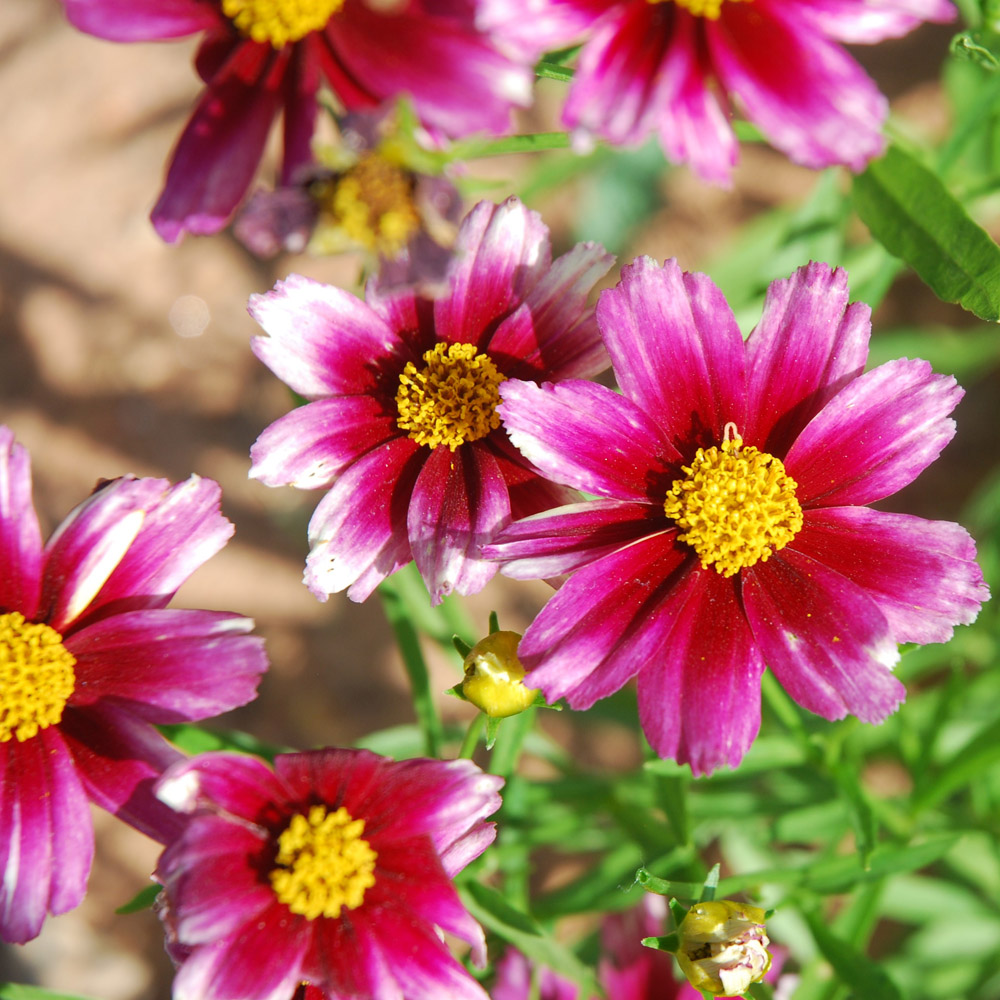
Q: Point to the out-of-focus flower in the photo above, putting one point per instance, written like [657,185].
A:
[672,69]
[723,947]
[330,875]
[259,57]
[732,526]
[367,193]
[494,675]
[90,658]
[402,429]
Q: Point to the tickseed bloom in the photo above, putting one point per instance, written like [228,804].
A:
[494,676]
[403,428]
[259,57]
[732,528]
[327,877]
[723,947]
[673,68]
[90,658]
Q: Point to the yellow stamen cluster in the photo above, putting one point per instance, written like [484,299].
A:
[373,204]
[280,21]
[736,506]
[36,677]
[323,863]
[702,8]
[452,399]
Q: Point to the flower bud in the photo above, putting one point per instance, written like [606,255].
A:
[723,947]
[493,676]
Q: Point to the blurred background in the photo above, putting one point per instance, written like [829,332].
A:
[121,354]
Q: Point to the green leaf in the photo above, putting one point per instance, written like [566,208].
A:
[866,978]
[494,912]
[971,761]
[142,900]
[966,47]
[21,991]
[915,217]
[195,739]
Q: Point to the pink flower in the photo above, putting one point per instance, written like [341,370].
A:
[402,429]
[732,528]
[332,870]
[90,659]
[672,69]
[259,57]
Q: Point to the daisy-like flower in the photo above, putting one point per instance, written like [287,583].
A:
[90,658]
[330,875]
[403,429]
[259,57]
[672,69]
[732,529]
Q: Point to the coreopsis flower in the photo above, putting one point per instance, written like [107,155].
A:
[327,877]
[259,57]
[370,193]
[732,527]
[402,428]
[723,947]
[90,659]
[674,69]
[494,677]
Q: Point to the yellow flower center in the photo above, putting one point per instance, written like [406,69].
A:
[701,8]
[36,677]
[452,399]
[280,21]
[372,203]
[736,506]
[323,863]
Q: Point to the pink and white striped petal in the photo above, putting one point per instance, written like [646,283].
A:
[153,20]
[20,536]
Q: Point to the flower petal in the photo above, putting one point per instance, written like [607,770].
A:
[619,599]
[805,93]
[529,490]
[46,837]
[867,21]
[676,350]
[459,503]
[875,436]
[825,639]
[345,959]
[560,541]
[20,537]
[125,21]
[322,341]
[589,437]
[169,665]
[119,757]
[221,145]
[699,695]
[501,252]
[357,534]
[922,574]
[808,345]
[310,446]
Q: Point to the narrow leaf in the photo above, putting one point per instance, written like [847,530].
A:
[142,900]
[21,991]
[856,970]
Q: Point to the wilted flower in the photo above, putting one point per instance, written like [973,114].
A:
[723,947]
[330,875]
[403,429]
[732,528]
[494,675]
[672,69]
[90,659]
[259,57]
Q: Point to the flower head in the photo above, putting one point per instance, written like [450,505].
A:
[262,57]
[723,947]
[732,526]
[674,68]
[494,676]
[403,428]
[90,659]
[331,872]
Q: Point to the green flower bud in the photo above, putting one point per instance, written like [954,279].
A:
[493,676]
[723,947]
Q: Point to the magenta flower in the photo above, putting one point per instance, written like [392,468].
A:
[259,57]
[402,428]
[732,528]
[673,68]
[90,658]
[333,870]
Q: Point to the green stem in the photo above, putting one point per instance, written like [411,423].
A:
[553,71]
[534,142]
[508,750]
[471,740]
